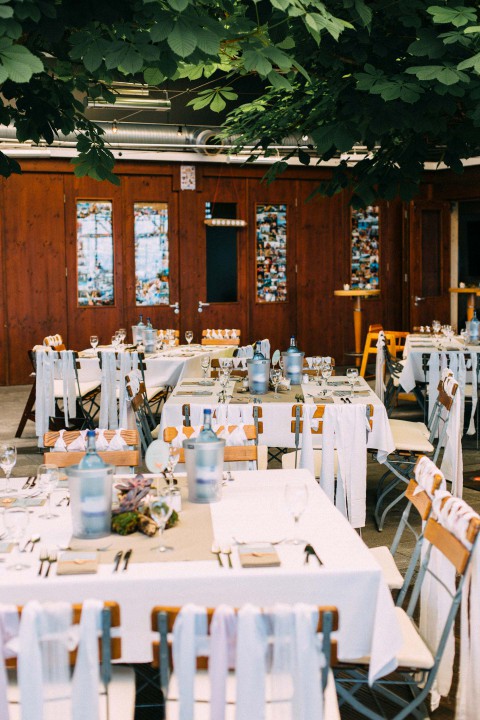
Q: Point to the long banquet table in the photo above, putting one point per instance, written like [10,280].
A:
[253,509]
[277,414]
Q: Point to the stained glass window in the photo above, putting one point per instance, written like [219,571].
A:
[365,248]
[152,260]
[271,252]
[95,252]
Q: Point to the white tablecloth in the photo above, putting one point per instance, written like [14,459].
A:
[252,508]
[277,415]
[418,345]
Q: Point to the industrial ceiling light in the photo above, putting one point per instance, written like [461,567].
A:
[132,97]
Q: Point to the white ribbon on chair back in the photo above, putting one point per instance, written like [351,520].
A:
[44,392]
[223,637]
[128,366]
[380,366]
[433,379]
[474,367]
[9,626]
[251,663]
[425,474]
[108,400]
[68,383]
[86,677]
[189,638]
[452,462]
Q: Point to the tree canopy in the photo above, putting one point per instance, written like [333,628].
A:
[399,78]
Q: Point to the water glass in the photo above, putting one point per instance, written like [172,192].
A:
[436,327]
[275,377]
[205,365]
[15,520]
[189,336]
[352,375]
[48,477]
[94,341]
[296,499]
[161,508]
[8,458]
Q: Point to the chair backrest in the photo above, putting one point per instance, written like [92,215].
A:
[221,338]
[172,332]
[109,648]
[296,425]
[233,453]
[257,412]
[55,342]
[216,366]
[119,458]
[163,620]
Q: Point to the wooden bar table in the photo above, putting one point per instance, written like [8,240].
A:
[357,296]
[472,294]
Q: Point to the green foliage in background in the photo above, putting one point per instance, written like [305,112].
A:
[399,78]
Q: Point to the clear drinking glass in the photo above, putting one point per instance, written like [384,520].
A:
[8,458]
[326,374]
[122,334]
[205,364]
[16,522]
[189,336]
[296,499]
[48,477]
[352,375]
[173,458]
[275,377]
[160,509]
[436,327]
[94,341]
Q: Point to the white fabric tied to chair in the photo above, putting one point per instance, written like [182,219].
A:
[44,392]
[433,378]
[307,461]
[68,384]
[346,427]
[9,626]
[473,363]
[189,631]
[108,401]
[128,366]
[380,366]
[251,663]
[452,462]
[426,473]
[79,444]
[44,641]
[223,635]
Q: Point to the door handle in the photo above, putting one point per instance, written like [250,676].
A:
[201,305]
[417,299]
[176,308]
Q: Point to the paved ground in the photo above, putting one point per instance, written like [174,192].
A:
[12,401]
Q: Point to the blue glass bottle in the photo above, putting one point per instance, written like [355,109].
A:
[474,329]
[91,460]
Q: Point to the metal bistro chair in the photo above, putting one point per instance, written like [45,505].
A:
[420,498]
[233,453]
[412,439]
[163,621]
[116,682]
[155,395]
[418,663]
[129,457]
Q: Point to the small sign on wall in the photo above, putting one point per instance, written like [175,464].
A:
[187,177]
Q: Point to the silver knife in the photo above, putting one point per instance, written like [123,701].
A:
[116,561]
[126,558]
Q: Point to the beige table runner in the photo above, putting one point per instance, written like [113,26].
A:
[191,538]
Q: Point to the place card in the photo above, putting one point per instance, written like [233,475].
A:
[77,563]
[252,556]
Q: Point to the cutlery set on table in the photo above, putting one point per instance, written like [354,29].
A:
[125,556]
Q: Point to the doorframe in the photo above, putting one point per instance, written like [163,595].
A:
[454,240]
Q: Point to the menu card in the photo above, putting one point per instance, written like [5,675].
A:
[77,563]
[260,555]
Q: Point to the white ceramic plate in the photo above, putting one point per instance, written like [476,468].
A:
[156,457]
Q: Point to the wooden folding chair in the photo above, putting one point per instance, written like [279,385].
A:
[117,691]
[417,662]
[163,334]
[162,623]
[28,410]
[54,342]
[233,453]
[119,458]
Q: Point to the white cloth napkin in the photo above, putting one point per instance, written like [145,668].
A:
[474,364]
[433,379]
[9,626]
[468,694]
[128,365]
[306,453]
[425,472]
[251,663]
[380,365]
[223,634]
[68,384]
[189,634]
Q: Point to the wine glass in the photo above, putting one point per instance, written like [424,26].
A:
[352,375]
[160,509]
[8,458]
[296,498]
[15,520]
[94,341]
[436,326]
[122,334]
[317,364]
[205,365]
[224,378]
[173,458]
[47,480]
[326,374]
[189,336]
[275,377]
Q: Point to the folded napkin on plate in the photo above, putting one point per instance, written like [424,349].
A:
[264,555]
[77,563]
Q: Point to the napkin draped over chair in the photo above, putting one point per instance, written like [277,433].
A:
[380,366]
[452,462]
[9,626]
[44,392]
